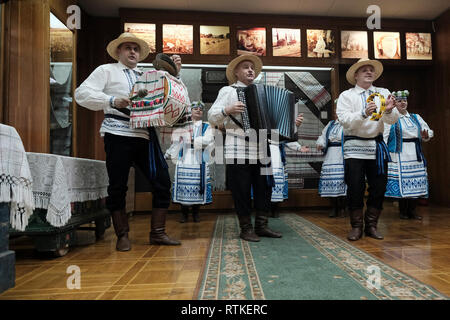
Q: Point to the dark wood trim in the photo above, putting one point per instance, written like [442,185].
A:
[223,200]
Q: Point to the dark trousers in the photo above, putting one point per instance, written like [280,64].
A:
[122,153]
[356,171]
[240,179]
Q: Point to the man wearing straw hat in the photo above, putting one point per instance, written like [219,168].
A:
[108,88]
[241,176]
[365,151]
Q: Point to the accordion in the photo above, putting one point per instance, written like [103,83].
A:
[270,108]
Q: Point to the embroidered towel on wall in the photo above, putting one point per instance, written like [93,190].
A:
[311,87]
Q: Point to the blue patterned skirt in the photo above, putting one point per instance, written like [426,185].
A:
[186,187]
[332,176]
[407,178]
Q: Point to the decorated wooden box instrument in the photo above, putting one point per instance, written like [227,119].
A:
[158,99]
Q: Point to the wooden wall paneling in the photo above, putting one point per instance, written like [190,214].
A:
[84,128]
[27,84]
[196,38]
[93,37]
[438,115]
[334,89]
[371,46]
[159,41]
[2,59]
[301,198]
[303,40]
[222,200]
[74,104]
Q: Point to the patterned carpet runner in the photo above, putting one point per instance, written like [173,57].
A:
[308,263]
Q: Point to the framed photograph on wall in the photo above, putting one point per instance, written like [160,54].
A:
[251,41]
[386,45]
[178,38]
[354,44]
[286,42]
[61,41]
[144,31]
[321,43]
[215,40]
[418,46]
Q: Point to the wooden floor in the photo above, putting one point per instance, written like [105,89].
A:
[418,248]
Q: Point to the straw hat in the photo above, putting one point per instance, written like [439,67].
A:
[364,62]
[164,62]
[245,57]
[128,37]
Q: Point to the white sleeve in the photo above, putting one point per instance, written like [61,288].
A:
[295,146]
[322,140]
[215,115]
[389,118]
[204,140]
[173,151]
[425,126]
[387,131]
[349,119]
[90,93]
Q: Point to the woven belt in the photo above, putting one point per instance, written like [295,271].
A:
[382,152]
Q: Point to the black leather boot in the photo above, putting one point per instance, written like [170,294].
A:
[261,226]
[334,209]
[121,228]
[184,214]
[411,209]
[195,216]
[403,206]
[274,210]
[356,220]
[247,232]
[371,220]
[342,207]
[158,235]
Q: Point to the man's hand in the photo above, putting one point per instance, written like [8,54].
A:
[299,120]
[319,147]
[304,149]
[236,108]
[121,102]
[371,108]
[177,60]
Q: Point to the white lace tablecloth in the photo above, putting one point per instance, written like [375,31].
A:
[58,181]
[15,178]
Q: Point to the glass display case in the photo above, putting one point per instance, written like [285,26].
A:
[61,87]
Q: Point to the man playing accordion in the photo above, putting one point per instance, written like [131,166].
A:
[244,157]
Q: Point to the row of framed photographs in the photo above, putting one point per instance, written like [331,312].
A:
[215,40]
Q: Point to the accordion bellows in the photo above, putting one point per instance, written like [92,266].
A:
[165,104]
[272,108]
